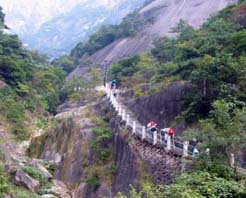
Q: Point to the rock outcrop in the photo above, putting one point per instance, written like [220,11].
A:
[133,159]
[162,107]
[35,164]
[163,16]
[161,165]
[23,179]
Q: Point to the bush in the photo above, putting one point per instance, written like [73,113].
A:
[4,187]
[204,184]
[36,174]
[93,182]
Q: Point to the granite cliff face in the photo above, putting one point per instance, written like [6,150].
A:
[70,146]
[164,15]
[162,107]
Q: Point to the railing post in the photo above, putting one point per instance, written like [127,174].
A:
[155,138]
[124,115]
[127,119]
[185,148]
[107,89]
[120,110]
[113,102]
[111,97]
[143,132]
[134,127]
[169,143]
[232,160]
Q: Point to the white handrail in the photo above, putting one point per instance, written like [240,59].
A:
[153,138]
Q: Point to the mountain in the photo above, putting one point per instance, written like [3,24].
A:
[54,27]
[161,17]
[26,17]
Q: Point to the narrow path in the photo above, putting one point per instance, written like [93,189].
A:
[157,139]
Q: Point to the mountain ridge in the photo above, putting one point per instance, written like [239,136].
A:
[165,15]
[76,22]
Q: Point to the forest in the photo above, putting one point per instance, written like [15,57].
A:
[212,60]
[30,85]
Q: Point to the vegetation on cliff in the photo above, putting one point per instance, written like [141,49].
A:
[30,85]
[212,60]
[107,34]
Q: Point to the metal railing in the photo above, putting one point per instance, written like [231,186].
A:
[139,130]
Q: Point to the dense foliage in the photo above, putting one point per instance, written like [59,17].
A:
[29,83]
[212,59]
[107,34]
[193,185]
[65,62]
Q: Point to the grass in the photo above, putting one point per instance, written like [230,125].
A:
[36,174]
[8,189]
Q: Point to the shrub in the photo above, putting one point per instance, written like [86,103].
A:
[4,187]
[93,182]
[35,174]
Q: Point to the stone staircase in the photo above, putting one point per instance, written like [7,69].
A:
[156,139]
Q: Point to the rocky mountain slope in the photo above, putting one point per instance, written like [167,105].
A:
[72,145]
[162,15]
[54,27]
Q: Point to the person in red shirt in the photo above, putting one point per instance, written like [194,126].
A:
[152,127]
[170,132]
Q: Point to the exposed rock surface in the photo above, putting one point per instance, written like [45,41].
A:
[162,107]
[164,15]
[128,171]
[161,166]
[35,164]
[58,189]
[73,144]
[23,179]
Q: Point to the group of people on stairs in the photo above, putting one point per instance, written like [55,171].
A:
[165,132]
[152,126]
[169,132]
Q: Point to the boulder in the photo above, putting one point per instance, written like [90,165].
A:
[58,189]
[35,164]
[49,196]
[23,179]
[57,158]
[2,84]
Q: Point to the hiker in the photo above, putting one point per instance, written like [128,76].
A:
[195,152]
[152,127]
[164,135]
[115,91]
[113,84]
[168,132]
[192,144]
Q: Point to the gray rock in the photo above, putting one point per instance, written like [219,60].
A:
[10,169]
[163,15]
[58,189]
[57,158]
[35,164]
[49,196]
[23,179]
